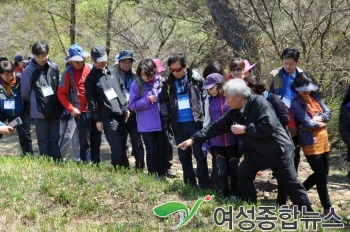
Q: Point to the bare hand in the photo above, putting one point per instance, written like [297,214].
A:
[99,126]
[238,129]
[317,118]
[184,145]
[5,130]
[322,124]
[127,114]
[75,112]
[153,98]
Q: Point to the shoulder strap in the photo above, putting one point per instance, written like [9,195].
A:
[72,83]
[140,86]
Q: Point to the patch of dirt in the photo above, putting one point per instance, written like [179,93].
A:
[339,188]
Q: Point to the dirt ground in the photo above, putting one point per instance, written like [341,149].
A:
[339,187]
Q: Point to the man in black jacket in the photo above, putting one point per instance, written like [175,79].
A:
[265,140]
[107,103]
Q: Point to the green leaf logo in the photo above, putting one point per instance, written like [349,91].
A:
[171,207]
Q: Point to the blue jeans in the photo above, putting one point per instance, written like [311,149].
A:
[89,137]
[185,131]
[155,151]
[48,135]
[114,129]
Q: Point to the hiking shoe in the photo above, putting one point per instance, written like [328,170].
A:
[170,173]
[273,181]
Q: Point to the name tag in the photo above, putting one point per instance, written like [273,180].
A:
[286,101]
[9,105]
[127,96]
[184,104]
[110,94]
[47,91]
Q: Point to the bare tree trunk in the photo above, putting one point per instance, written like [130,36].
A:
[109,26]
[233,31]
[72,21]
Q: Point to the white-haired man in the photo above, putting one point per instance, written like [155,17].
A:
[266,142]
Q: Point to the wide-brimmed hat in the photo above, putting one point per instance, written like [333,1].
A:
[126,54]
[310,87]
[99,54]
[20,58]
[247,66]
[76,53]
[212,79]
[116,60]
[159,64]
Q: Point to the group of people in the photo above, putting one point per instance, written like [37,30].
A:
[230,117]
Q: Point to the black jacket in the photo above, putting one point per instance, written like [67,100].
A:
[280,108]
[96,83]
[194,89]
[344,119]
[266,141]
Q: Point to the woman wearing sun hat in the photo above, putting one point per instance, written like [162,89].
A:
[311,115]
[71,93]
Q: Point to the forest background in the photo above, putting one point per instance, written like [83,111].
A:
[257,30]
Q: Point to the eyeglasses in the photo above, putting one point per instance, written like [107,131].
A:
[176,69]
[125,62]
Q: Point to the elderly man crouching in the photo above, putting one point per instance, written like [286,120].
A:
[266,142]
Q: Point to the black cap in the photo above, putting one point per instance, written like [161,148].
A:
[126,54]
[99,54]
[20,58]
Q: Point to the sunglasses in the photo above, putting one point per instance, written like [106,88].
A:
[236,70]
[176,69]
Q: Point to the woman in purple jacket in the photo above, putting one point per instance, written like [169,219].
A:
[224,148]
[148,97]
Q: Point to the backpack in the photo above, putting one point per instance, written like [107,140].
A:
[140,85]
[50,107]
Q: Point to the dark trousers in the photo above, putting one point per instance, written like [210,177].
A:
[23,131]
[155,151]
[115,134]
[285,173]
[48,136]
[89,137]
[296,153]
[184,131]
[169,154]
[320,165]
[282,195]
[136,142]
[226,161]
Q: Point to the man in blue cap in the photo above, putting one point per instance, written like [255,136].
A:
[125,72]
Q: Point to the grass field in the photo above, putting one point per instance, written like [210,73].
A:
[40,195]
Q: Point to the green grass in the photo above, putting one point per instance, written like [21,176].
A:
[40,195]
